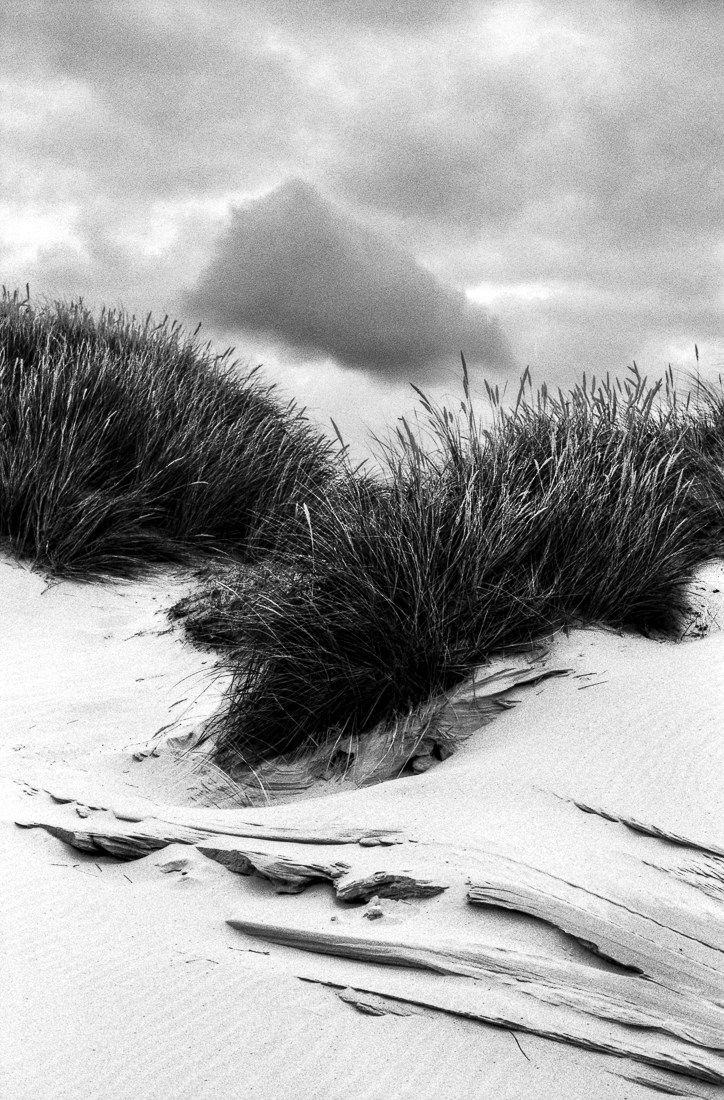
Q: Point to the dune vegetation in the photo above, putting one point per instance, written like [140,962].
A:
[125,443]
[591,506]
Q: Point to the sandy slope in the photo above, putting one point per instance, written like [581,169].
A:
[125,979]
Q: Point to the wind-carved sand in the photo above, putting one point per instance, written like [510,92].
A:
[540,914]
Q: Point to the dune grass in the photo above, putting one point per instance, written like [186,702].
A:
[595,505]
[124,442]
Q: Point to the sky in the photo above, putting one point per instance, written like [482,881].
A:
[351,194]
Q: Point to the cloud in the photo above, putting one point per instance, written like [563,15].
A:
[293,268]
[493,122]
[496,143]
[557,144]
[146,100]
[403,15]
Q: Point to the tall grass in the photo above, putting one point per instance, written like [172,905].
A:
[595,504]
[124,442]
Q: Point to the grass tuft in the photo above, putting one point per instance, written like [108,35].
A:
[595,505]
[124,442]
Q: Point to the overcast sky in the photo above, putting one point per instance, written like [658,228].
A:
[353,192]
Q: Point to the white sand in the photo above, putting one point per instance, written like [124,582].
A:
[124,979]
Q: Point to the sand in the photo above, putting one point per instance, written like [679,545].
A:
[590,814]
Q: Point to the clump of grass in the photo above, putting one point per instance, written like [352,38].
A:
[595,504]
[124,442]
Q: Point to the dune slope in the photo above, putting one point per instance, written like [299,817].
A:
[540,914]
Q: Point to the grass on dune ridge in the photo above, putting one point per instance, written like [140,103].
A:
[595,505]
[123,442]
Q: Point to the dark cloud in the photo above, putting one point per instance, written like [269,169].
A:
[293,268]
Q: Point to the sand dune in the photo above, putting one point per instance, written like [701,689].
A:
[540,915]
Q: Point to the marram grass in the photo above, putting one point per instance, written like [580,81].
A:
[124,442]
[594,505]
